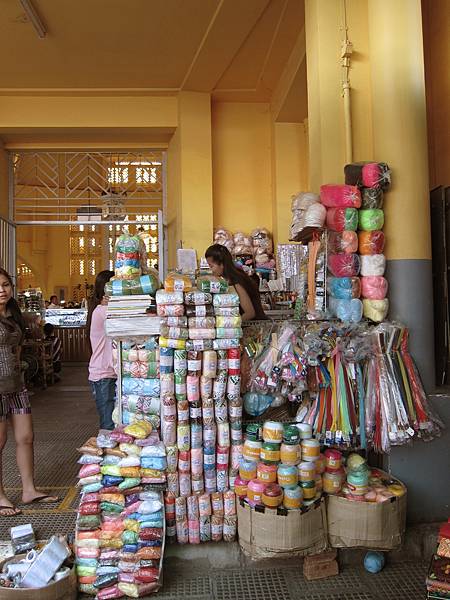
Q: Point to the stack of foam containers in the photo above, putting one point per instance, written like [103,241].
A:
[344,289]
[120,529]
[372,179]
[201,429]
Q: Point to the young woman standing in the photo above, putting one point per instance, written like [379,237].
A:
[102,376]
[14,402]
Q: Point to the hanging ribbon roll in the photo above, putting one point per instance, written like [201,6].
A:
[340,196]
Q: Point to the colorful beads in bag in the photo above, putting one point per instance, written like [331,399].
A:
[371,219]
[344,288]
[344,265]
[371,242]
[374,288]
[340,196]
[340,219]
[342,242]
[373,265]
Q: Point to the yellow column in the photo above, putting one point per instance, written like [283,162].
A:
[325,108]
[190,207]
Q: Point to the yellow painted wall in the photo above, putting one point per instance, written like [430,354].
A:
[242,165]
[3,183]
[436,22]
[290,171]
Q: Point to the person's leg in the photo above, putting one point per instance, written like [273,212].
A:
[7,509]
[23,433]
[104,392]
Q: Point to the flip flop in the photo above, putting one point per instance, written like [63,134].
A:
[43,500]
[16,512]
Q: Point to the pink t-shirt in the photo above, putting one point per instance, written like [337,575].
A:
[101,363]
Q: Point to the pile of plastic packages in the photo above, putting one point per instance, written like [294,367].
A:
[356,262]
[252,251]
[201,406]
[356,385]
[120,527]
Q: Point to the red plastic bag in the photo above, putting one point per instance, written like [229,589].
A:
[343,242]
[344,265]
[340,196]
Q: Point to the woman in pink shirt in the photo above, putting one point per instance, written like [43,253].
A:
[102,376]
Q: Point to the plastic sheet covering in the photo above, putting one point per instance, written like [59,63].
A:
[340,219]
[340,196]
[374,287]
[376,310]
[371,219]
[344,265]
[262,239]
[224,238]
[371,242]
[304,200]
[145,284]
[130,256]
[373,265]
[344,288]
[243,246]
[372,197]
[350,311]
[342,242]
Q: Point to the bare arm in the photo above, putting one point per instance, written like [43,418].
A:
[246,304]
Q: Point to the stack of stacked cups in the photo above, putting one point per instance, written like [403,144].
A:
[344,289]
[373,179]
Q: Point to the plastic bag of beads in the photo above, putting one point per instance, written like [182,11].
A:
[212,285]
[342,242]
[376,310]
[340,196]
[197,298]
[374,287]
[344,288]
[371,242]
[344,265]
[340,219]
[371,219]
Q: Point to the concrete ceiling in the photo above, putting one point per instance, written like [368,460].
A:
[235,49]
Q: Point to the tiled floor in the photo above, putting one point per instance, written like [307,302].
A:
[65,416]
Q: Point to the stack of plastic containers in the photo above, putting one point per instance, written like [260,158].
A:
[201,417]
[344,289]
[120,527]
[372,179]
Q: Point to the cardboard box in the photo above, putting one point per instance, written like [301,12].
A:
[65,589]
[319,566]
[269,533]
[377,526]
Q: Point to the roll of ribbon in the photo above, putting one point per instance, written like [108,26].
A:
[374,287]
[344,265]
[340,196]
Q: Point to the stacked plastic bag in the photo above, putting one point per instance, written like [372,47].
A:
[344,288]
[306,212]
[119,542]
[224,238]
[140,383]
[201,417]
[372,179]
[263,249]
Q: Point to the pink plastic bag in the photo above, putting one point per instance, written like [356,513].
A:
[344,265]
[374,287]
[340,196]
[343,242]
[340,219]
[88,470]
[374,174]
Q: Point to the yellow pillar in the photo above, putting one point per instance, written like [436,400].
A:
[325,108]
[190,206]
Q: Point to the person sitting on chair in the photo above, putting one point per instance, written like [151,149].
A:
[49,331]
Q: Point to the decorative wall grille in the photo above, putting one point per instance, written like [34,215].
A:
[68,187]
